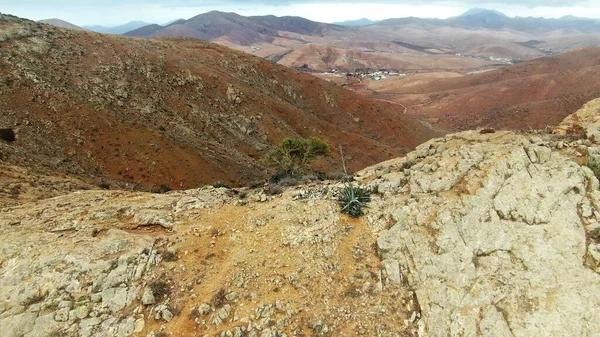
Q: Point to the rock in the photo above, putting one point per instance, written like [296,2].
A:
[203,309]
[17,325]
[393,270]
[148,297]
[81,312]
[62,315]
[44,326]
[500,252]
[139,325]
[116,298]
[167,315]
[232,296]
[151,217]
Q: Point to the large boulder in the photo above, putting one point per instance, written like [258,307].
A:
[495,233]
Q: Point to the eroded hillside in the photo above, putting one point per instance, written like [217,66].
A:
[479,233]
[179,112]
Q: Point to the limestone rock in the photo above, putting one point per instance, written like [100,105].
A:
[492,239]
[148,297]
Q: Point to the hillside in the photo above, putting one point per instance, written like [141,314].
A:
[474,234]
[534,94]
[60,23]
[179,112]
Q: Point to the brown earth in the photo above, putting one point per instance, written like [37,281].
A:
[174,111]
[534,94]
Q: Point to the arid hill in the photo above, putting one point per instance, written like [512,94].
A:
[179,112]
[534,94]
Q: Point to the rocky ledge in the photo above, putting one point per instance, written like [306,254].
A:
[480,233]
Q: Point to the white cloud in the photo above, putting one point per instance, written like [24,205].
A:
[115,12]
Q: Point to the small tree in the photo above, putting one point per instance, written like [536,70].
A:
[293,155]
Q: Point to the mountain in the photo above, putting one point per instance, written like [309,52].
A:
[480,18]
[244,31]
[479,11]
[354,23]
[172,22]
[133,25]
[533,94]
[180,112]
[144,31]
[60,23]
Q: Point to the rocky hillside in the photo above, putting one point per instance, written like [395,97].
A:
[480,233]
[179,112]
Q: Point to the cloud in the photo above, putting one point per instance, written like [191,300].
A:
[115,12]
[214,3]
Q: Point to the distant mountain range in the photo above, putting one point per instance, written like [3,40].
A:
[118,29]
[492,19]
[397,43]
[356,23]
[475,39]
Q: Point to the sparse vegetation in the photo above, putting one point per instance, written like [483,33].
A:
[293,155]
[160,289]
[352,199]
[7,135]
[161,189]
[220,184]
[272,189]
[218,299]
[593,162]
[169,256]
[104,186]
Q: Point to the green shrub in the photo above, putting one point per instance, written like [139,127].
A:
[220,184]
[352,199]
[162,188]
[293,155]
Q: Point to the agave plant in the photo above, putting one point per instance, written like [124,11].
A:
[352,199]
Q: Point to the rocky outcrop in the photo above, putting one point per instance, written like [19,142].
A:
[74,265]
[475,234]
[495,232]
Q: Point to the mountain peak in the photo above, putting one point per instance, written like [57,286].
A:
[482,11]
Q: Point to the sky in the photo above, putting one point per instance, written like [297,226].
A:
[116,12]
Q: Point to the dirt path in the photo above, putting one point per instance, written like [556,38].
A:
[395,103]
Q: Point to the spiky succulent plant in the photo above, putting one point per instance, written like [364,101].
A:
[352,199]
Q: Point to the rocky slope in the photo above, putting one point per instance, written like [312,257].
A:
[480,233]
[179,112]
